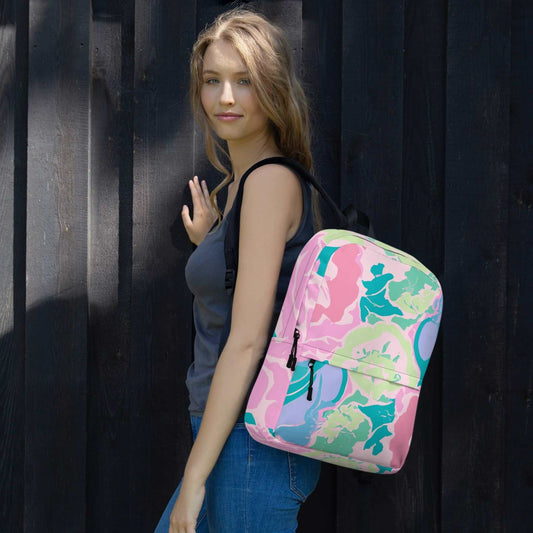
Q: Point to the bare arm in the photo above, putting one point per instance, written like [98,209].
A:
[267,215]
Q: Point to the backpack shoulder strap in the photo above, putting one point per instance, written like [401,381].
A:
[351,219]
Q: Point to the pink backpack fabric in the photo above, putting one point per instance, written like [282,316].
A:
[342,374]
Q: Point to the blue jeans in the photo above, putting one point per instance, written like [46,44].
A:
[253,488]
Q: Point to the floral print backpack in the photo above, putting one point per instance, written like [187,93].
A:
[342,374]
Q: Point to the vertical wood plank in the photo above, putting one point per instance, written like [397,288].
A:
[108,436]
[372,168]
[476,230]
[518,478]
[322,80]
[418,489]
[372,112]
[56,355]
[13,28]
[161,301]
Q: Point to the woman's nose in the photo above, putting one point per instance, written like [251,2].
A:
[226,97]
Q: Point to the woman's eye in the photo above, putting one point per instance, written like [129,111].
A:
[244,81]
[211,81]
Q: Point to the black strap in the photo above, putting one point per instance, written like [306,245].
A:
[351,219]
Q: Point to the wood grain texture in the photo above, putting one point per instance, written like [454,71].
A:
[161,302]
[372,112]
[322,83]
[476,234]
[56,274]
[11,236]
[518,478]
[108,435]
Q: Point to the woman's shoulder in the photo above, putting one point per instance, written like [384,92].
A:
[273,179]
[274,194]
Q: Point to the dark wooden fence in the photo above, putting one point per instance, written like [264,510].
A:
[422,115]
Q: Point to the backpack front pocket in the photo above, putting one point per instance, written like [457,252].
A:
[349,413]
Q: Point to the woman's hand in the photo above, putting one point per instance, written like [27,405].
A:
[186,509]
[204,215]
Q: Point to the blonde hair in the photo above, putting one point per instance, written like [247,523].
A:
[267,58]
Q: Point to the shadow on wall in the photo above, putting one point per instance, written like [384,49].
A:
[96,413]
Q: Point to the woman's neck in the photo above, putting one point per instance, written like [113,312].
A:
[245,153]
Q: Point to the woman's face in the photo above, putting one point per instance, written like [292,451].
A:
[227,96]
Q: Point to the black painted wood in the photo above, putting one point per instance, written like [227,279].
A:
[15,501]
[56,273]
[476,250]
[372,112]
[321,75]
[518,463]
[161,303]
[108,435]
[11,362]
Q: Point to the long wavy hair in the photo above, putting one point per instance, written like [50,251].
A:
[268,60]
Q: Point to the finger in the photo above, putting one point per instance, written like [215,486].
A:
[207,197]
[187,222]
[197,198]
[206,192]
[209,208]
[202,187]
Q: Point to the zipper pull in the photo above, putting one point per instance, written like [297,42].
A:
[311,364]
[291,363]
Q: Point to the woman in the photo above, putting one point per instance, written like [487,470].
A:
[244,92]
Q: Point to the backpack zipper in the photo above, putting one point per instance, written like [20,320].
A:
[311,364]
[397,251]
[306,268]
[291,363]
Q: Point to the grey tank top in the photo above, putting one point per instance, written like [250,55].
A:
[205,276]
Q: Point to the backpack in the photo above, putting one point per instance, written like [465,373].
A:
[341,377]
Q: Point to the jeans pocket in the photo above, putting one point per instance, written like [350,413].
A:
[304,474]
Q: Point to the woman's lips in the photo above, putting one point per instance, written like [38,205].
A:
[228,118]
